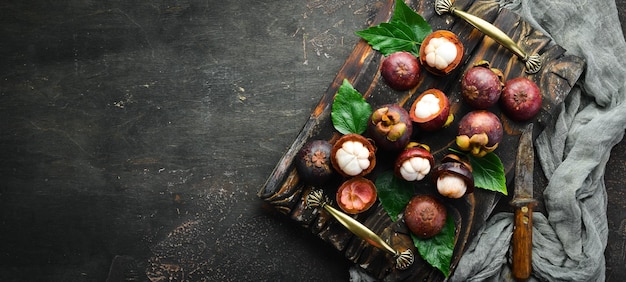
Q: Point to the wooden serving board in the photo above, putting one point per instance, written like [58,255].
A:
[285,192]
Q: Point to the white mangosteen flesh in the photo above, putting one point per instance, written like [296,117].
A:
[353,157]
[451,186]
[415,169]
[440,53]
[427,106]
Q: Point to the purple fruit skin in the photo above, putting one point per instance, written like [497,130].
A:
[526,90]
[425,216]
[381,141]
[481,87]
[479,121]
[400,70]
[314,170]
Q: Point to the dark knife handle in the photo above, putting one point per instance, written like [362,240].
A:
[523,241]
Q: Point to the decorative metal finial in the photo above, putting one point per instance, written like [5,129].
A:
[404,259]
[533,64]
[443,6]
[316,199]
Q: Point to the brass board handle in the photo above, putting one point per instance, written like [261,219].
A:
[532,62]
[404,259]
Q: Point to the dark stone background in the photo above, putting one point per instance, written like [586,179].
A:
[136,134]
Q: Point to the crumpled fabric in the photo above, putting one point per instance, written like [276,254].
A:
[568,243]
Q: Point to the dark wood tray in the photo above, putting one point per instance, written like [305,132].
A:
[285,192]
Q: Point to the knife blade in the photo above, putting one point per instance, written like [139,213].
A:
[523,204]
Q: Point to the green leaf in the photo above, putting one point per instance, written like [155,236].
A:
[415,21]
[394,193]
[389,38]
[488,173]
[437,250]
[405,32]
[350,112]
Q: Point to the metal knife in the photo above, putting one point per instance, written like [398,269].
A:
[523,204]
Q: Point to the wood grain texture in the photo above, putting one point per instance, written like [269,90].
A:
[522,242]
[284,190]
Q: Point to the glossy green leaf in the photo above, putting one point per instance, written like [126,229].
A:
[438,250]
[389,38]
[350,112]
[394,193]
[488,173]
[405,32]
[419,26]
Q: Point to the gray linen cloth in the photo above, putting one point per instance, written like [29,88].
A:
[568,244]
